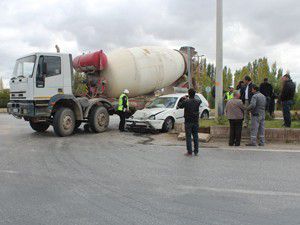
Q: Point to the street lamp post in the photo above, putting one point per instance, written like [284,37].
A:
[219,60]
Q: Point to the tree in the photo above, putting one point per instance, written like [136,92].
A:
[240,74]
[277,86]
[263,70]
[297,99]
[273,74]
[79,84]
[1,84]
[227,78]
[4,98]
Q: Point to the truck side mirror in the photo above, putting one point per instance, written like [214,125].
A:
[41,73]
[44,68]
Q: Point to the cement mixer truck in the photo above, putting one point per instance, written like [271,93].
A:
[41,86]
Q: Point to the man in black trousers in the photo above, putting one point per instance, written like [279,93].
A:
[234,111]
[287,98]
[191,117]
[267,90]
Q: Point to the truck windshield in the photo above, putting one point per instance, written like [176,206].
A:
[24,66]
[163,102]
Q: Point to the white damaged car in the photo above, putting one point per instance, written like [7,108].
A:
[163,112]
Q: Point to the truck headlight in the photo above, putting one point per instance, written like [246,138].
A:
[151,117]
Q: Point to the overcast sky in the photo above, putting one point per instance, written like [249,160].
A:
[252,29]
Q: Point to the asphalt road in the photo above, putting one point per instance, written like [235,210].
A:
[114,178]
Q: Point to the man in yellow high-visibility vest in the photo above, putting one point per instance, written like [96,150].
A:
[123,108]
[229,94]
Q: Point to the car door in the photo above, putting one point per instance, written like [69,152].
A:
[201,107]
[179,113]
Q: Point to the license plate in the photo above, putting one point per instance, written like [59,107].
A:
[15,110]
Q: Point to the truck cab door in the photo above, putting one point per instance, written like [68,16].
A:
[49,79]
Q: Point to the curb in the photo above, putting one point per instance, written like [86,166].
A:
[285,135]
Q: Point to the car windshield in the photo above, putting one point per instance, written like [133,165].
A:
[163,102]
[24,66]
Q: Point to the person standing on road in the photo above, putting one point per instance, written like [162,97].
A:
[123,108]
[234,111]
[257,107]
[267,90]
[287,98]
[191,117]
[246,96]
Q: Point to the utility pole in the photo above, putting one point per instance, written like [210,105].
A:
[189,67]
[219,61]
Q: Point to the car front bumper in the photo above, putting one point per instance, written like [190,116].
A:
[144,124]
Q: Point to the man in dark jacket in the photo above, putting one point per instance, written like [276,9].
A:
[287,98]
[246,96]
[191,117]
[267,90]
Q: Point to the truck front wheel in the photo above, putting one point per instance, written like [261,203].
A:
[64,122]
[39,126]
[99,119]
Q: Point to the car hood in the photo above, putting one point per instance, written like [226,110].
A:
[146,113]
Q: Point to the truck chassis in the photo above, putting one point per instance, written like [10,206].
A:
[64,112]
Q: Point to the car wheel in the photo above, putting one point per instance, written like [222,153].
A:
[168,125]
[205,115]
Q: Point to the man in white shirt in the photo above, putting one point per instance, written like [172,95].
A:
[246,96]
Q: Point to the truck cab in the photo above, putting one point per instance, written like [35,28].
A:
[41,93]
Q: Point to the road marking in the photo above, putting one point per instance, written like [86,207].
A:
[257,149]
[9,171]
[247,192]
[260,149]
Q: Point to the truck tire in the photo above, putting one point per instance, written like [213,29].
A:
[39,126]
[64,122]
[168,125]
[98,119]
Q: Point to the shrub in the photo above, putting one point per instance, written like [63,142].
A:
[222,120]
[269,117]
[296,116]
